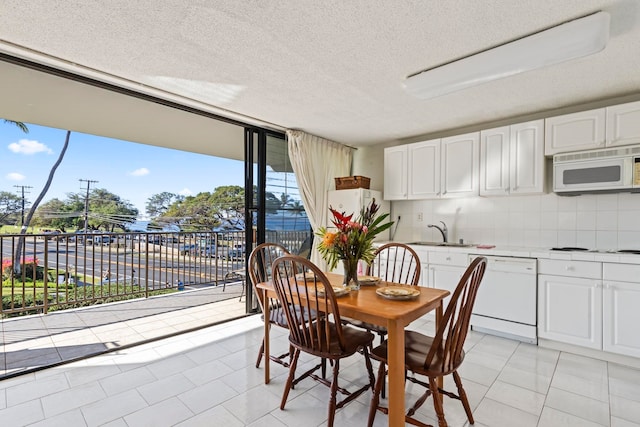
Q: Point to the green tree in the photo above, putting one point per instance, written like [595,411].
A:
[58,214]
[224,207]
[10,207]
[107,211]
[158,204]
[285,200]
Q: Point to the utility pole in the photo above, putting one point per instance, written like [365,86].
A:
[22,187]
[86,205]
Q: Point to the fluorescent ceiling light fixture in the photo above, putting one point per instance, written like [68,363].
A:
[571,40]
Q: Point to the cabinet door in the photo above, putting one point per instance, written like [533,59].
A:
[623,124]
[570,310]
[621,318]
[395,173]
[445,277]
[424,169]
[527,158]
[571,132]
[460,164]
[494,162]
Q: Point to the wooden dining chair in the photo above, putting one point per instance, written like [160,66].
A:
[437,356]
[303,290]
[396,262]
[393,262]
[260,263]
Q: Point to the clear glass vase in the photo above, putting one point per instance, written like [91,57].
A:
[351,274]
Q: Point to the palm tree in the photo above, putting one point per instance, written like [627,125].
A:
[21,125]
[297,207]
[25,225]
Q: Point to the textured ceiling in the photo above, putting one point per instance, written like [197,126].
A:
[332,68]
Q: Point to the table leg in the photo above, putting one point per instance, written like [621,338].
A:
[267,316]
[395,359]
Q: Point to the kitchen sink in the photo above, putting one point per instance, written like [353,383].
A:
[449,244]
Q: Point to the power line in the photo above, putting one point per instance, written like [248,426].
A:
[22,187]
[86,203]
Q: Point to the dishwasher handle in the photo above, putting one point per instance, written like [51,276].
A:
[512,264]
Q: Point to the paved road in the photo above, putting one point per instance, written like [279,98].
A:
[113,263]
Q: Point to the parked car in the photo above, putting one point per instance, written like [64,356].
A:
[237,251]
[208,251]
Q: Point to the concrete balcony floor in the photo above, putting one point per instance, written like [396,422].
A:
[32,342]
[207,377]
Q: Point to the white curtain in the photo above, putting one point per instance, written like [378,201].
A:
[316,162]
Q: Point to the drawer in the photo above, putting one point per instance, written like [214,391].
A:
[621,272]
[556,267]
[449,258]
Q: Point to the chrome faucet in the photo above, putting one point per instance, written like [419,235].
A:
[443,230]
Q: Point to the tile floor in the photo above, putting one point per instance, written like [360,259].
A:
[208,378]
[31,342]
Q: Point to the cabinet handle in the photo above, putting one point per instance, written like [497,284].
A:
[569,268]
[608,286]
[448,258]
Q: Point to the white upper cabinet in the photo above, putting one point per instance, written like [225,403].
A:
[623,124]
[604,127]
[424,169]
[527,158]
[447,167]
[494,161]
[460,165]
[573,132]
[512,159]
[395,173]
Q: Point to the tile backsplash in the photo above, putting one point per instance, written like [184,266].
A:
[602,221]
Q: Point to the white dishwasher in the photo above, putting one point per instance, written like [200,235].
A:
[506,303]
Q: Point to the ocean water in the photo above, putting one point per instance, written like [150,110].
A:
[282,221]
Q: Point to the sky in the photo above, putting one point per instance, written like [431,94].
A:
[132,171]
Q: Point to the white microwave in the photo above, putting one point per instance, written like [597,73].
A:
[607,170]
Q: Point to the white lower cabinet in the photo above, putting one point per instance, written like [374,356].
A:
[445,270]
[590,304]
[570,310]
[621,313]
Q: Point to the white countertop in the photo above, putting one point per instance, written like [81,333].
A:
[533,252]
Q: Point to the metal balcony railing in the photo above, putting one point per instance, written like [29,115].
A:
[68,270]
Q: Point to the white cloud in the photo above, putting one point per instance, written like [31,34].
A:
[140,172]
[15,176]
[185,192]
[27,146]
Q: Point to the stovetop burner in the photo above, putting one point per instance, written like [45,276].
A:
[569,249]
[621,251]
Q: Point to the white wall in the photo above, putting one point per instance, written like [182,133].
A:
[605,222]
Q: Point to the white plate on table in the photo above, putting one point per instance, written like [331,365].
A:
[398,292]
[338,290]
[368,280]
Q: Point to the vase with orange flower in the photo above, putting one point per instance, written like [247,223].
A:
[352,240]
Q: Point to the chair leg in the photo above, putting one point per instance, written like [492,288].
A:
[334,392]
[375,399]
[244,284]
[437,401]
[260,352]
[292,372]
[463,397]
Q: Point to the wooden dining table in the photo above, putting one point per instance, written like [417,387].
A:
[366,305]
